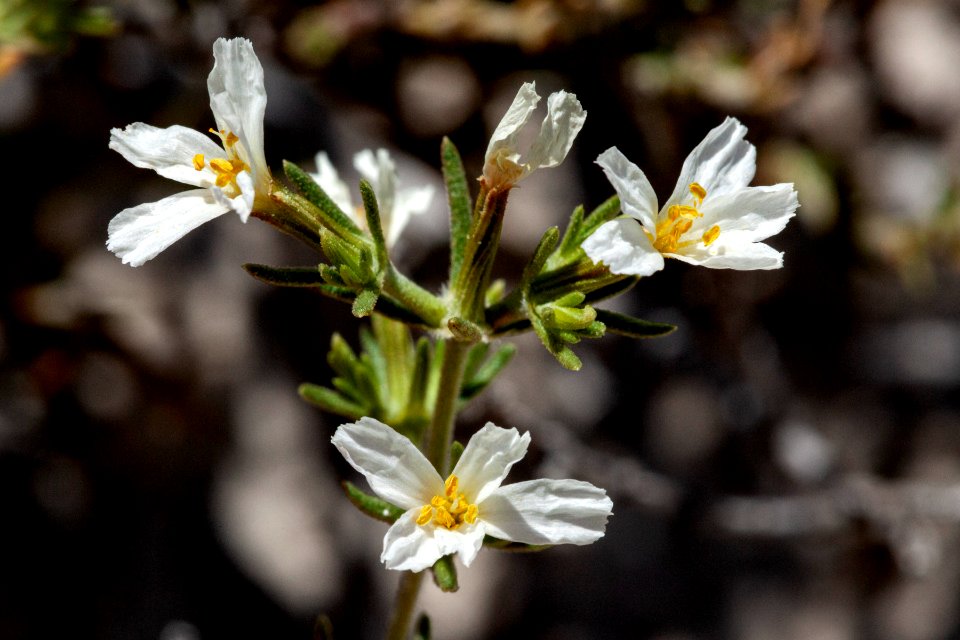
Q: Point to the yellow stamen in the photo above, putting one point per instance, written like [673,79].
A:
[710,235]
[426,512]
[450,509]
[679,220]
[450,486]
[698,193]
[198,162]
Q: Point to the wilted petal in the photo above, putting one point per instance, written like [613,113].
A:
[395,469]
[623,246]
[733,252]
[565,118]
[409,547]
[140,233]
[547,512]
[757,212]
[636,194]
[487,459]
[238,99]
[506,134]
[724,161]
[329,180]
[169,151]
[465,541]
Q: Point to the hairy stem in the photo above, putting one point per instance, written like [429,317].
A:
[407,592]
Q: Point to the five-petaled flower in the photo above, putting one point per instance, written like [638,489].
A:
[713,218]
[397,206]
[230,176]
[502,167]
[450,516]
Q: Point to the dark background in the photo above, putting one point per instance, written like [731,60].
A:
[786,465]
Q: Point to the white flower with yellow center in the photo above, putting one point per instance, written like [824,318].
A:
[713,218]
[397,206]
[449,516]
[503,166]
[229,176]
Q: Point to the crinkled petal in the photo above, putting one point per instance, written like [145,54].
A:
[329,180]
[168,151]
[636,194]
[565,118]
[465,541]
[732,251]
[487,459]
[724,161]
[409,547]
[505,136]
[410,202]
[395,469]
[140,233]
[756,212]
[238,100]
[624,247]
[547,512]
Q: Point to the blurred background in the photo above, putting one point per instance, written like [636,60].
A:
[785,465]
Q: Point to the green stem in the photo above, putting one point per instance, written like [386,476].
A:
[414,297]
[404,605]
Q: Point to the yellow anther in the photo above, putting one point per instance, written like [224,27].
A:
[198,162]
[682,227]
[439,502]
[231,139]
[673,212]
[444,519]
[471,515]
[710,235]
[221,165]
[451,485]
[426,512]
[698,193]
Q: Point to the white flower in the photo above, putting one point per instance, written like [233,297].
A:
[565,117]
[452,516]
[713,218]
[229,176]
[396,205]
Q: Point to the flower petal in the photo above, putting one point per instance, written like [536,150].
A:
[140,233]
[547,512]
[238,100]
[624,247]
[721,163]
[169,151]
[487,458]
[329,180]
[757,212]
[466,541]
[637,197]
[504,138]
[409,547]
[733,251]
[410,202]
[565,118]
[395,469]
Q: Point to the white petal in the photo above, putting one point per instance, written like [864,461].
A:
[140,233]
[505,136]
[329,180]
[395,469]
[465,541]
[757,212]
[721,163]
[380,171]
[547,512]
[565,118]
[168,151]
[238,100]
[636,194]
[623,246]
[487,458]
[410,202]
[733,252]
[409,547]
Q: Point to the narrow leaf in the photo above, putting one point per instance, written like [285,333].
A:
[335,219]
[331,401]
[372,505]
[485,374]
[633,327]
[458,199]
[286,276]
[544,248]
[509,545]
[456,450]
[372,209]
[607,211]
[571,235]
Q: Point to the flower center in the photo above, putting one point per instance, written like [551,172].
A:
[449,509]
[679,220]
[226,169]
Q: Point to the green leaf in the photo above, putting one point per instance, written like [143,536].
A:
[544,248]
[509,545]
[364,303]
[372,209]
[456,450]
[606,212]
[419,381]
[564,355]
[484,375]
[331,215]
[331,401]
[286,276]
[569,244]
[633,327]
[458,199]
[445,574]
[372,505]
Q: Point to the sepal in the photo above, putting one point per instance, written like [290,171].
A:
[445,574]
